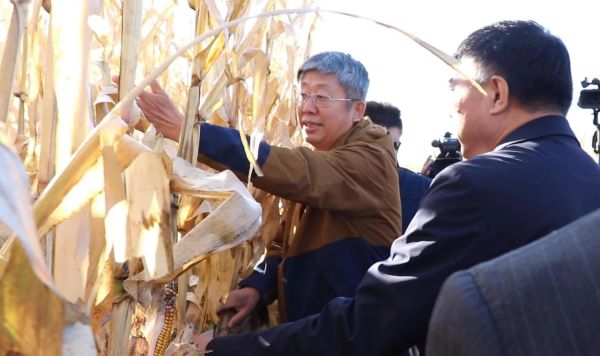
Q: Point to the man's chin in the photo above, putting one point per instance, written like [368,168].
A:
[310,139]
[313,142]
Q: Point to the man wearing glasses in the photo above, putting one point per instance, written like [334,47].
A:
[346,189]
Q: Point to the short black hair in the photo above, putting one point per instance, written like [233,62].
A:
[534,62]
[384,114]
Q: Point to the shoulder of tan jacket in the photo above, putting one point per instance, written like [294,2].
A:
[373,130]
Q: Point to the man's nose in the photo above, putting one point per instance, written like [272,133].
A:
[308,105]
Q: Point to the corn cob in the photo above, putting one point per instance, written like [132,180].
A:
[164,338]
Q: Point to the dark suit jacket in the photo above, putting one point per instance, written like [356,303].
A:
[542,299]
[412,188]
[536,181]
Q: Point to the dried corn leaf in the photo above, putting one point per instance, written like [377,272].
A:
[149,217]
[28,326]
[215,14]
[220,274]
[15,209]
[98,252]
[194,182]
[189,137]
[237,9]
[116,205]
[236,220]
[47,5]
[259,66]
[192,210]
[71,255]
[233,222]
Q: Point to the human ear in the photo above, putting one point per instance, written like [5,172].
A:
[498,92]
[358,110]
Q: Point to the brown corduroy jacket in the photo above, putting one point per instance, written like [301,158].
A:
[346,217]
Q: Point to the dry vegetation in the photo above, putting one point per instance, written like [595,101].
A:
[128,246]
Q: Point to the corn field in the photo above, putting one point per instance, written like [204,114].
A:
[112,240]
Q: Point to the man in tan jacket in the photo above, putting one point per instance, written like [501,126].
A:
[346,187]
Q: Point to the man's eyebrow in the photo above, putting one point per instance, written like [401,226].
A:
[318,85]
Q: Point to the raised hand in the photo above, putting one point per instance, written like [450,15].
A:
[160,111]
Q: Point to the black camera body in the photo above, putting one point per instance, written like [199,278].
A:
[449,146]
[589,98]
[449,154]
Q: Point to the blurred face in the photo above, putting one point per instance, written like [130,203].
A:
[476,127]
[395,134]
[323,126]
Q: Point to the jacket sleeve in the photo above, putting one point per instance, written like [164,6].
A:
[394,301]
[264,278]
[340,179]
[222,147]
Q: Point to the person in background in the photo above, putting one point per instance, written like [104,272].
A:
[412,185]
[524,176]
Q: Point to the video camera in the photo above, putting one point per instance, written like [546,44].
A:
[449,153]
[448,145]
[590,99]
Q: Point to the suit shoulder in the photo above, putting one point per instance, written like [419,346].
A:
[485,168]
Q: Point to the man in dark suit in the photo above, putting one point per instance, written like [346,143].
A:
[542,299]
[525,176]
[412,185]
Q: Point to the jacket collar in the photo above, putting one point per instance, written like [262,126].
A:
[363,130]
[540,127]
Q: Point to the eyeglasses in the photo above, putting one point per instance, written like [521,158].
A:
[320,101]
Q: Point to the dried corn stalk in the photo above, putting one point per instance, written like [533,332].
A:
[9,56]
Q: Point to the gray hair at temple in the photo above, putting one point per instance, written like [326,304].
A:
[351,74]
